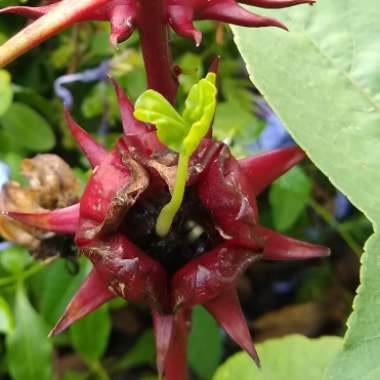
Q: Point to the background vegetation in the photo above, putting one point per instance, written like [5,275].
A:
[323,81]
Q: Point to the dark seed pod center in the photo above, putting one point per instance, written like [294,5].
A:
[192,232]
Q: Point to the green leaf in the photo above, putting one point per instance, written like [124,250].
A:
[101,95]
[6,317]
[200,97]
[29,349]
[236,126]
[199,111]
[191,67]
[27,128]
[13,160]
[182,134]
[143,352]
[152,107]
[323,80]
[288,197]
[15,259]
[70,375]
[58,288]
[6,92]
[293,357]
[90,335]
[204,358]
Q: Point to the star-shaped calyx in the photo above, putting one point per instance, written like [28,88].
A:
[214,237]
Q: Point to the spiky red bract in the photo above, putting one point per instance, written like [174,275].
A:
[126,15]
[115,230]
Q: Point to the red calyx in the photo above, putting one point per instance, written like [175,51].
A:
[114,227]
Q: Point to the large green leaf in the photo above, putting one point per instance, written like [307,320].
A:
[293,357]
[29,349]
[323,79]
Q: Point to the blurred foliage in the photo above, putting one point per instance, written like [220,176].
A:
[288,358]
[33,294]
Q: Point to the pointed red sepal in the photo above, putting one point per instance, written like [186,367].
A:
[131,126]
[122,21]
[181,20]
[230,12]
[214,67]
[263,169]
[280,247]
[228,197]
[94,152]
[60,221]
[227,311]
[163,332]
[30,12]
[176,361]
[212,273]
[92,294]
[276,3]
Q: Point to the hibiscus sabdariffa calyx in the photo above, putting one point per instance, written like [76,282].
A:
[194,252]
[215,235]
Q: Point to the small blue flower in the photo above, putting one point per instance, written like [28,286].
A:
[343,207]
[4,173]
[91,75]
[274,134]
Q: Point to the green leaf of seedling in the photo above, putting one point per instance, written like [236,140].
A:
[200,97]
[199,111]
[152,107]
[182,134]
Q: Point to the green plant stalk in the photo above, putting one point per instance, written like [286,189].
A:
[168,213]
[45,27]
[328,218]
[97,369]
[34,269]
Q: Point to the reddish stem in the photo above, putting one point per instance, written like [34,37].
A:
[152,25]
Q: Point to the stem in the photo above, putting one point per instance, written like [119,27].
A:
[34,269]
[168,213]
[62,16]
[97,369]
[328,218]
[152,25]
